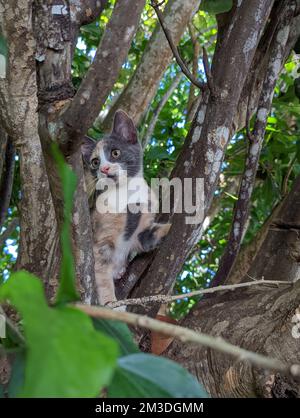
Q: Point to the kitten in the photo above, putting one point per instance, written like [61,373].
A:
[118,158]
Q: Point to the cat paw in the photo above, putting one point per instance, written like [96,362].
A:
[119,274]
[120,308]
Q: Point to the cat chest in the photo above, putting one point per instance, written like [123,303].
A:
[117,199]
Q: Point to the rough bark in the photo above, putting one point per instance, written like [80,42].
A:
[7,180]
[259,319]
[38,223]
[157,55]
[109,58]
[279,256]
[249,252]
[64,120]
[262,318]
[207,140]
[242,206]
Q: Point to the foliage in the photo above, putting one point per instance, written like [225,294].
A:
[67,354]
[66,291]
[278,167]
[58,341]
[216,6]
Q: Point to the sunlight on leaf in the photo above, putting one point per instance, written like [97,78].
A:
[67,289]
[65,355]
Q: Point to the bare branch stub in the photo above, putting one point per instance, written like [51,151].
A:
[179,60]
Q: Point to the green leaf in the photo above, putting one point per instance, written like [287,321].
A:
[119,332]
[67,290]
[65,355]
[147,376]
[216,6]
[16,382]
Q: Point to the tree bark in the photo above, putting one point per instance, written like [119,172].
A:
[111,54]
[204,149]
[38,236]
[259,319]
[7,180]
[143,84]
[279,256]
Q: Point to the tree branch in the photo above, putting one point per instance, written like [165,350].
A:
[241,210]
[205,145]
[104,70]
[156,112]
[171,298]
[188,336]
[174,49]
[142,86]
[195,68]
[8,231]
[87,11]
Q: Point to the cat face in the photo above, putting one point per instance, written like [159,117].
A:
[118,155]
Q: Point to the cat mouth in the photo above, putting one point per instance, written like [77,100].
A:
[109,176]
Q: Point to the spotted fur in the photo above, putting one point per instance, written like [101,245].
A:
[117,235]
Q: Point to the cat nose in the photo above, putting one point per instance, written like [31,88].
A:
[104,169]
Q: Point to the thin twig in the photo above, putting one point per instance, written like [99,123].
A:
[8,231]
[242,206]
[174,49]
[171,298]
[187,335]
[195,68]
[156,112]
[287,176]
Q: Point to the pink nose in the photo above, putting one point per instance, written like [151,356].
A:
[104,169]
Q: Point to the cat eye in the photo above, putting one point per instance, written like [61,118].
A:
[116,153]
[95,163]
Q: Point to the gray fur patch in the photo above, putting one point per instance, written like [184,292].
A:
[132,222]
[148,238]
[131,154]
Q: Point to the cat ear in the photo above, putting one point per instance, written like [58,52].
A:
[87,147]
[124,127]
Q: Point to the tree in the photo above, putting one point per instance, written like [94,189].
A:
[66,67]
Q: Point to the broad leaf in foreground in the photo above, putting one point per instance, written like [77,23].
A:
[65,355]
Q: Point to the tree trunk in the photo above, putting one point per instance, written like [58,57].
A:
[259,319]
[205,146]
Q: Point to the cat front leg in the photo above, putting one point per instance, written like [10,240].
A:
[151,237]
[104,273]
